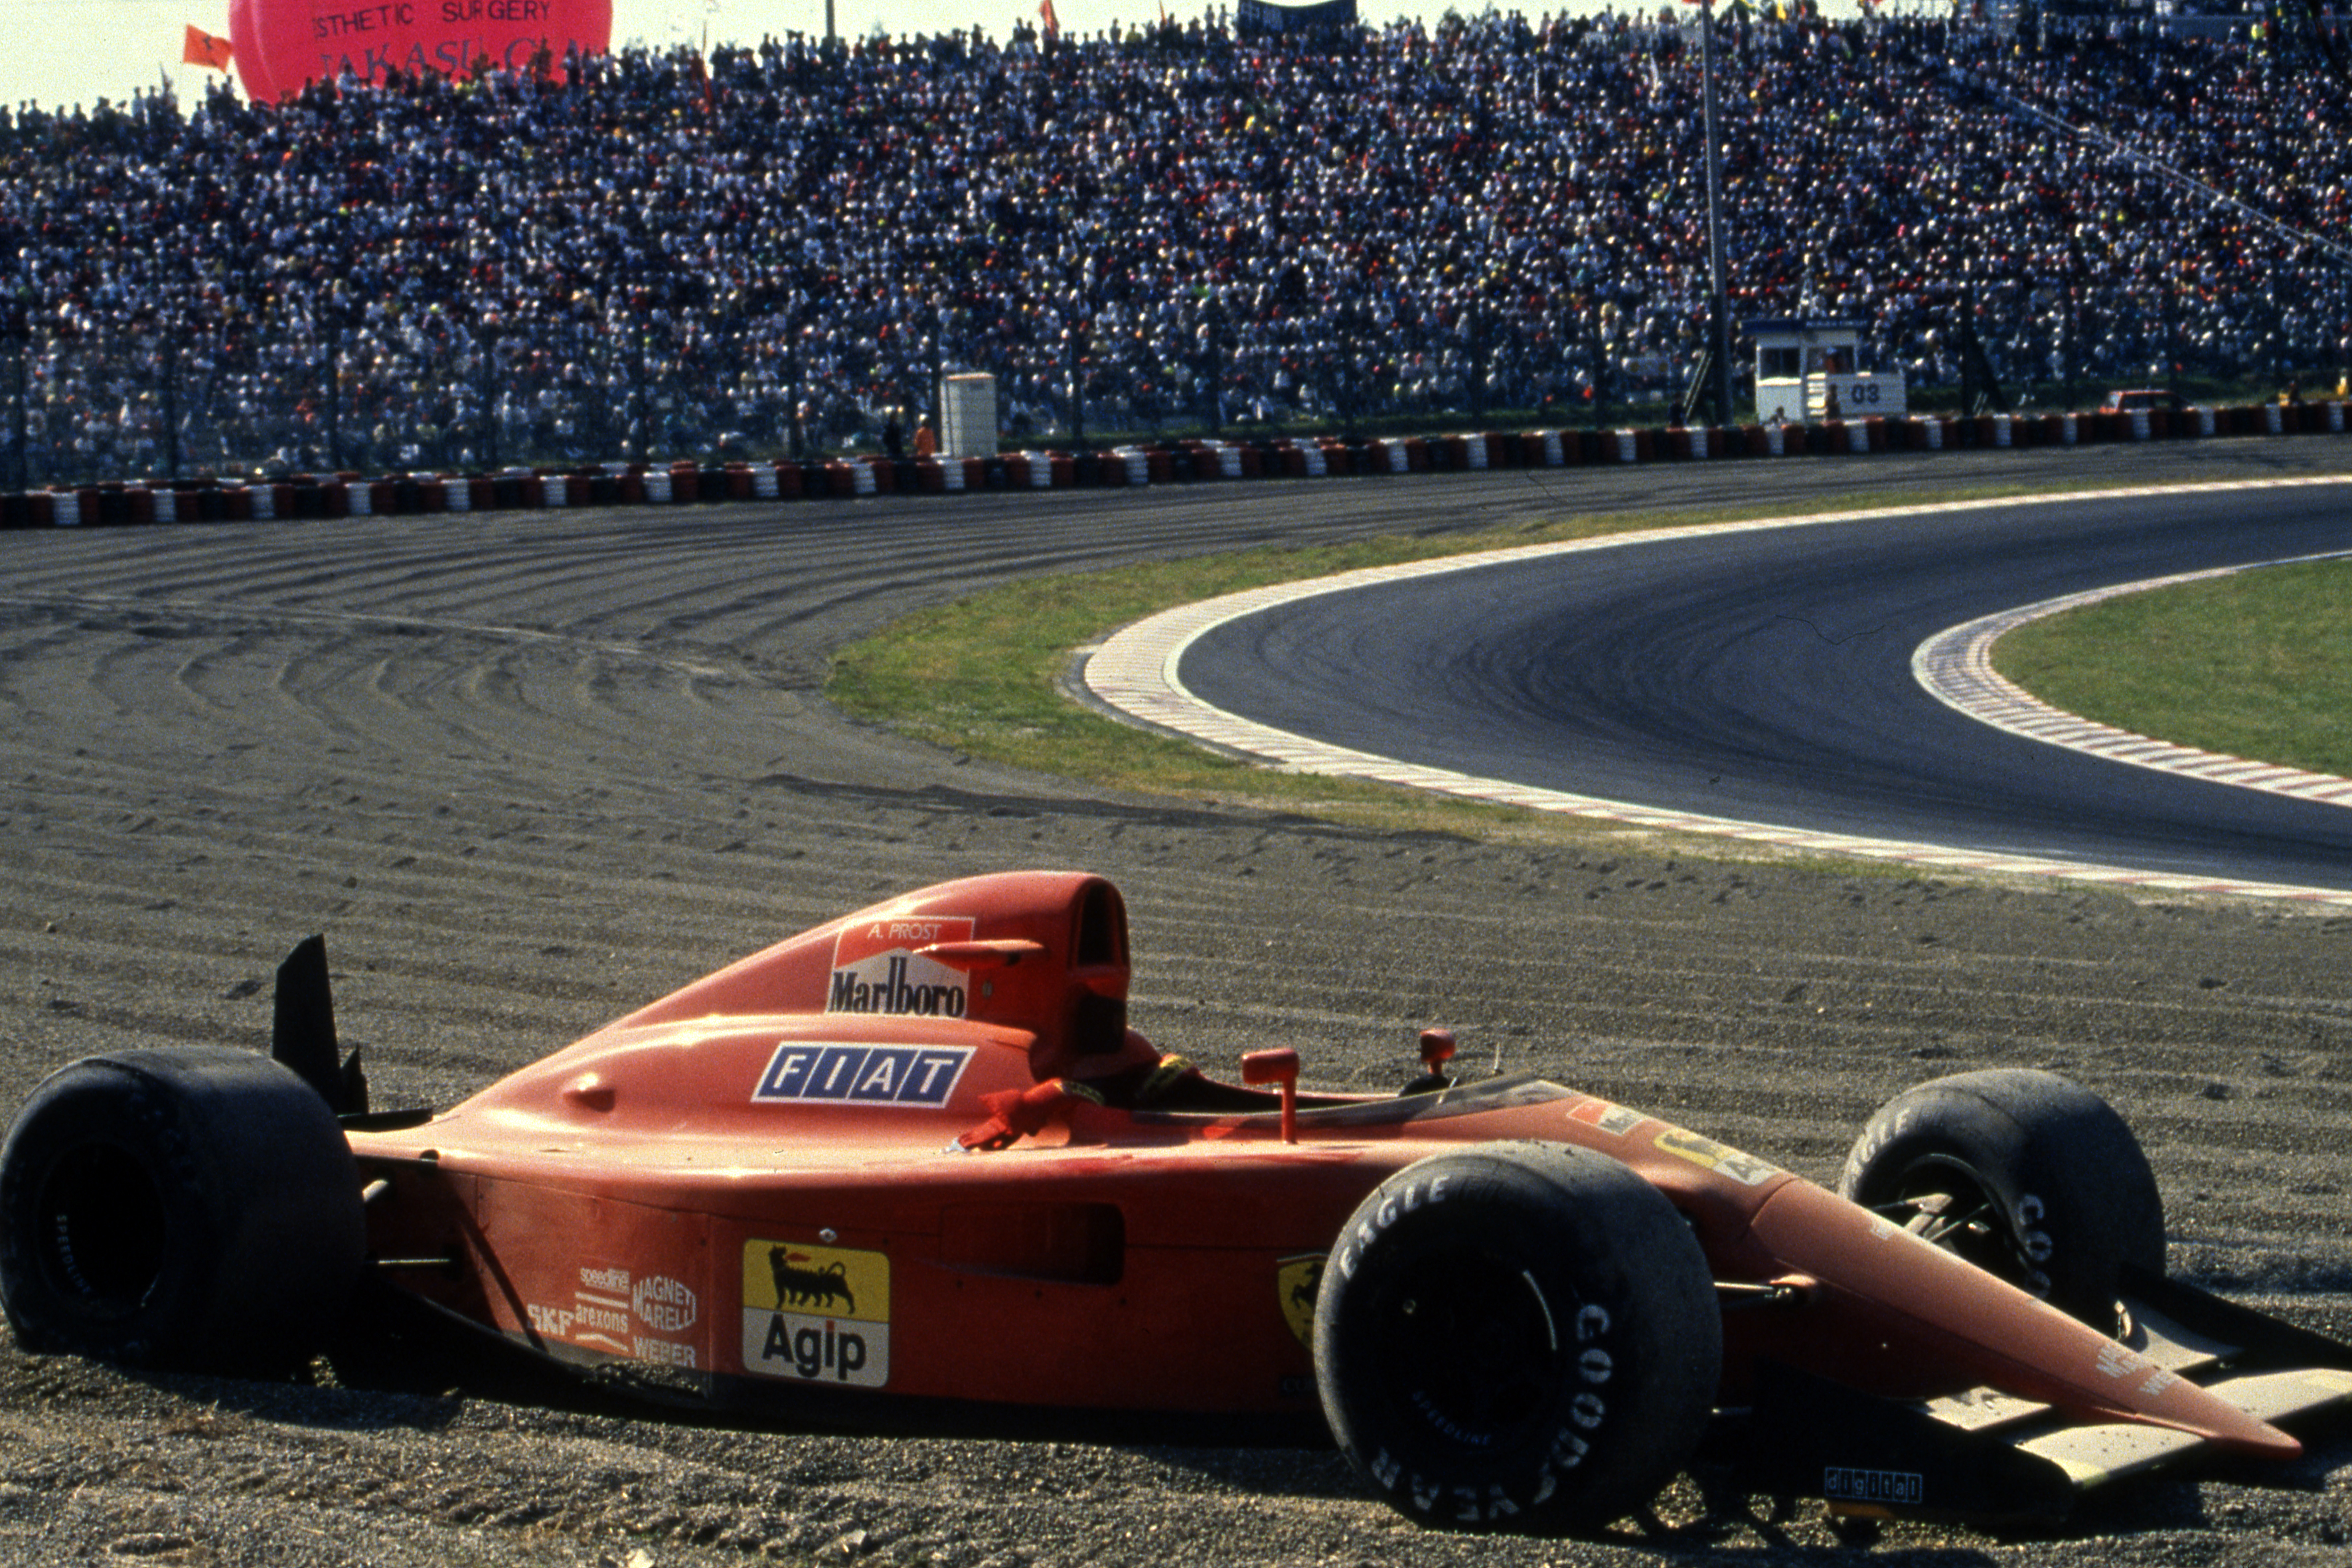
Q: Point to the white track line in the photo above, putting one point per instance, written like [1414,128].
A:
[1135,672]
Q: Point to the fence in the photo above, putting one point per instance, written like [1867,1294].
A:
[139,400]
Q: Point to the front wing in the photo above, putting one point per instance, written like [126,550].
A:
[1989,1458]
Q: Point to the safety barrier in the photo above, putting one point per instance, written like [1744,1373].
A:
[304,497]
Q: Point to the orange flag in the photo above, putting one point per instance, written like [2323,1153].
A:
[1053,23]
[204,49]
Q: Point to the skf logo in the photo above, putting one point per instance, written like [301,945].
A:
[875,968]
[816,1314]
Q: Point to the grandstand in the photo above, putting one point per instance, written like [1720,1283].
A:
[648,254]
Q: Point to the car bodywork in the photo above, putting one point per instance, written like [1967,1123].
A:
[899,1161]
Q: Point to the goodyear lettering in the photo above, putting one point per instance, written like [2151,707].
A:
[2030,1212]
[862,1075]
[1351,1247]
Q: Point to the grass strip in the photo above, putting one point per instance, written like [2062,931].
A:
[983,676]
[2256,665]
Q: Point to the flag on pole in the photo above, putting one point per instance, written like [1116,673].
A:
[203,49]
[1053,23]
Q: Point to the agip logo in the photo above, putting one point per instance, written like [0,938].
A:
[876,969]
[816,1314]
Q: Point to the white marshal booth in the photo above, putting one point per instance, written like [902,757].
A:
[1808,369]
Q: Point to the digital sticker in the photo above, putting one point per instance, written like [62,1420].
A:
[816,1314]
[876,969]
[1706,1152]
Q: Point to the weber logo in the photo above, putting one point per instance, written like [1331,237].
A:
[1892,1486]
[862,1075]
[876,970]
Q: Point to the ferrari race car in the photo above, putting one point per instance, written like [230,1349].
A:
[916,1160]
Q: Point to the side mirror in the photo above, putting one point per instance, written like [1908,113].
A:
[1279,1066]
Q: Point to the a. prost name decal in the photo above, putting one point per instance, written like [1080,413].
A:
[876,968]
[809,1072]
[816,1314]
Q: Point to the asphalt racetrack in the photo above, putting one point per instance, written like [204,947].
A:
[1767,676]
[527,771]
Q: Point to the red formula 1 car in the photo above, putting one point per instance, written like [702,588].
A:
[916,1159]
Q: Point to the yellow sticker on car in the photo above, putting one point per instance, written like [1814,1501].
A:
[816,1314]
[1296,1280]
[1723,1159]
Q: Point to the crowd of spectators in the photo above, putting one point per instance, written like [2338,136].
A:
[649,253]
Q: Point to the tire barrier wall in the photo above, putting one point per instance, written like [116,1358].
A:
[303,496]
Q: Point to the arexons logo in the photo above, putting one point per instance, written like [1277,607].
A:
[877,969]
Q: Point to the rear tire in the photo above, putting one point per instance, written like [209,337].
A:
[2026,1174]
[191,1209]
[1518,1337]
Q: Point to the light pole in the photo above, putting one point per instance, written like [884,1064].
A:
[1718,305]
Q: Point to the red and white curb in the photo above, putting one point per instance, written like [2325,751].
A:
[1134,672]
[1956,666]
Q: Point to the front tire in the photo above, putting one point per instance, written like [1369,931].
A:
[1518,1337]
[193,1209]
[2026,1174]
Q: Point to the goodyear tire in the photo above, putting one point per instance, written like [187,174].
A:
[1517,1337]
[189,1209]
[2026,1174]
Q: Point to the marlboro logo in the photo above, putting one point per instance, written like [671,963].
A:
[876,969]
